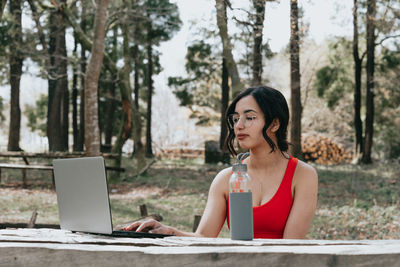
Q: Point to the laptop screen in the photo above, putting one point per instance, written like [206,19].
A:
[82,195]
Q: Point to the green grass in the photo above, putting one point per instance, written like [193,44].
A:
[358,202]
[355,201]
[340,185]
[352,222]
[17,205]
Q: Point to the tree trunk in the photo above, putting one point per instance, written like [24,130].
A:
[125,90]
[258,27]
[2,6]
[83,60]
[81,136]
[108,131]
[75,128]
[92,135]
[51,127]
[296,108]
[112,67]
[65,90]
[369,120]
[54,67]
[358,145]
[16,62]
[237,85]
[149,150]
[224,97]
[126,126]
[224,105]
[65,103]
[137,121]
[57,120]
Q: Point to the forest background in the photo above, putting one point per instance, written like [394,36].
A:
[342,90]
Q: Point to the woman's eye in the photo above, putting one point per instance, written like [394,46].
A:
[250,118]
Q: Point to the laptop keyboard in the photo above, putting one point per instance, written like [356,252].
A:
[132,234]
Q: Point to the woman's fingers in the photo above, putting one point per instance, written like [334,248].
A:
[150,224]
[142,226]
[133,226]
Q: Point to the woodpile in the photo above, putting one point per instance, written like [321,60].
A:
[181,153]
[324,150]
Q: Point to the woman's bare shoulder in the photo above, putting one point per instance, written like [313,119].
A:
[223,175]
[305,173]
[220,182]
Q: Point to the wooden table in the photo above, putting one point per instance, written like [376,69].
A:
[50,247]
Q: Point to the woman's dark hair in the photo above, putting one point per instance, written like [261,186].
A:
[274,106]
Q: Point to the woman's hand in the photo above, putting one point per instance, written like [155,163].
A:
[151,226]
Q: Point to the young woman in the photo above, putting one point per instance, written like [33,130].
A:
[284,189]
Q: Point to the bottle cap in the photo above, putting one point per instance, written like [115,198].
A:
[239,167]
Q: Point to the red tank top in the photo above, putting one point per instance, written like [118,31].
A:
[269,219]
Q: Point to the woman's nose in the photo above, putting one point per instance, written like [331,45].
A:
[240,123]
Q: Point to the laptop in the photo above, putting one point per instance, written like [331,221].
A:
[82,197]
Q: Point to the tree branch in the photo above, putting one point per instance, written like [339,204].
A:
[246,23]
[42,39]
[386,38]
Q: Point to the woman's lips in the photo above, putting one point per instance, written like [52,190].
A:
[241,136]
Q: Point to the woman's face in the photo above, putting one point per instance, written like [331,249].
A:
[248,122]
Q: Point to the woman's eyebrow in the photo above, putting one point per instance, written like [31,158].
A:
[250,110]
[246,111]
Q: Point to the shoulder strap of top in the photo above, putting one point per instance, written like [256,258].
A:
[291,167]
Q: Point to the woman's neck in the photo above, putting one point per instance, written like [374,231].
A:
[263,158]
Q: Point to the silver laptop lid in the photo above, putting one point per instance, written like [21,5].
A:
[82,195]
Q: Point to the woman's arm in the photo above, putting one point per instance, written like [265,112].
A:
[215,212]
[304,203]
[213,217]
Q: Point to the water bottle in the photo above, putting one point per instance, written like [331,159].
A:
[240,202]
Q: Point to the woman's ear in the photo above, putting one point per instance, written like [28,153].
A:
[275,125]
